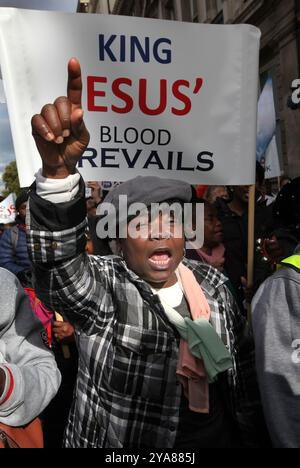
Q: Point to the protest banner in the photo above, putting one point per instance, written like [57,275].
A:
[8,210]
[163,98]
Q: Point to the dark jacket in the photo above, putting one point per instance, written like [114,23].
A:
[235,229]
[14,259]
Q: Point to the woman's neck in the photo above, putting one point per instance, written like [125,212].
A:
[207,250]
[167,284]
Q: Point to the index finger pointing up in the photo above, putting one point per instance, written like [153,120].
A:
[74,89]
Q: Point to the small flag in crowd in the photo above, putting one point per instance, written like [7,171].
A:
[8,210]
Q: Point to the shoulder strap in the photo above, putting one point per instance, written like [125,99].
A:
[14,237]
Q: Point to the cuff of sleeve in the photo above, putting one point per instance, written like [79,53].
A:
[57,190]
[9,385]
[55,217]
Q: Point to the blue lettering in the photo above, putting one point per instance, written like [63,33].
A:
[122,48]
[144,52]
[166,54]
[133,48]
[105,47]
[90,158]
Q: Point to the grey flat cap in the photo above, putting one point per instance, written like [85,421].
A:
[148,190]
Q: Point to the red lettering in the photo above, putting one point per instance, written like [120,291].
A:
[181,97]
[92,93]
[123,96]
[143,95]
[143,98]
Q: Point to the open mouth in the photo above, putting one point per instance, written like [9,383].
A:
[160,258]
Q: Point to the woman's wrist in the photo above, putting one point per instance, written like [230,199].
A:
[58,172]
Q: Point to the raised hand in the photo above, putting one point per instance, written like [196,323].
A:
[59,130]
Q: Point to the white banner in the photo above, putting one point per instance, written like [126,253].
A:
[266,119]
[272,164]
[164,98]
[8,210]
[2,95]
[266,148]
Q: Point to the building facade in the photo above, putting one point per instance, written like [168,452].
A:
[279,22]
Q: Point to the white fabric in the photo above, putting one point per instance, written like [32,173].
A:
[57,190]
[7,384]
[171,296]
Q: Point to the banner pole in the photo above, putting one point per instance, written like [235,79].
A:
[279,183]
[251,242]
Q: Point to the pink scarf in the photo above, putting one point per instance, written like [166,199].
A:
[190,370]
[217,255]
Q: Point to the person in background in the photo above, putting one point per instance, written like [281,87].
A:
[234,217]
[284,180]
[213,251]
[96,246]
[271,194]
[276,326]
[284,238]
[29,377]
[13,246]
[214,192]
[55,416]
[15,258]
[4,227]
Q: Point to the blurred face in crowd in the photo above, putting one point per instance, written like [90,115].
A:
[241,193]
[157,251]
[217,192]
[213,232]
[91,207]
[284,182]
[22,211]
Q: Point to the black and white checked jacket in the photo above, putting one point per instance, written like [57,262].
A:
[127,394]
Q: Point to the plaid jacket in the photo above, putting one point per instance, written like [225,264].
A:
[127,394]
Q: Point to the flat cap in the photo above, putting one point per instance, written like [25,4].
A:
[146,190]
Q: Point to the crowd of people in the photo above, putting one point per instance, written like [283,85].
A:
[138,341]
